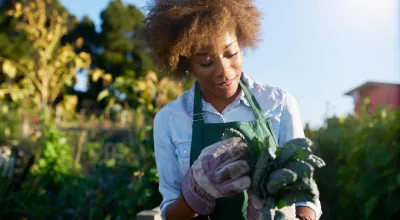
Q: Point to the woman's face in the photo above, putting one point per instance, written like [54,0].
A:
[218,72]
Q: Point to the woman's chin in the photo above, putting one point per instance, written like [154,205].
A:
[227,93]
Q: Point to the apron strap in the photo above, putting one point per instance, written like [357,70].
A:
[252,101]
[198,117]
[197,127]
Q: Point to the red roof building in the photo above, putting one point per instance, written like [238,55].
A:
[379,94]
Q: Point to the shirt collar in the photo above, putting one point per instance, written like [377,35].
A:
[207,107]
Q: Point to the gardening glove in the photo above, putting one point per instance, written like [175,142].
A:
[265,209]
[218,172]
[256,205]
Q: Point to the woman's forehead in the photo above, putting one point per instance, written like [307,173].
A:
[219,43]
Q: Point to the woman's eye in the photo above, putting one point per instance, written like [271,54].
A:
[207,64]
[230,56]
[211,62]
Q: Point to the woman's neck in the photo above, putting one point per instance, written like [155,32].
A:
[220,103]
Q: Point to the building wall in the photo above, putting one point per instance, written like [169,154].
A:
[388,95]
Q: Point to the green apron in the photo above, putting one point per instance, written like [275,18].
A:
[233,208]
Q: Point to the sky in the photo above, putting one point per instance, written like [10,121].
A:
[317,50]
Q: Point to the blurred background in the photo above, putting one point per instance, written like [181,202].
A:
[78,95]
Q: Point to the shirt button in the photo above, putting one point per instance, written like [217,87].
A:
[185,151]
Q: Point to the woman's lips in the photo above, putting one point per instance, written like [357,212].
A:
[226,85]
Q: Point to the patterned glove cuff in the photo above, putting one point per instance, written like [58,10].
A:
[253,213]
[197,198]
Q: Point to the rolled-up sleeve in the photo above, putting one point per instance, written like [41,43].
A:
[290,128]
[166,160]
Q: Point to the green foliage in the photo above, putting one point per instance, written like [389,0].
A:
[361,179]
[116,188]
[98,187]
[285,177]
[55,160]
[13,43]
[42,76]
[10,123]
[255,145]
[117,50]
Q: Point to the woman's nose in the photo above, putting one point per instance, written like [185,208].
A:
[223,66]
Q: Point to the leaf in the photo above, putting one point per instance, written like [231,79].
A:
[17,12]
[16,96]
[9,69]
[79,42]
[152,76]
[281,203]
[69,81]
[5,108]
[391,204]
[107,79]
[119,80]
[96,74]
[256,146]
[140,86]
[78,62]
[102,95]
[85,59]
[2,94]
[42,162]
[279,179]
[398,179]
[370,206]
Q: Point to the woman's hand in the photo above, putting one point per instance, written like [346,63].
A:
[218,172]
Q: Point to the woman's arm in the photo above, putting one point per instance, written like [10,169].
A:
[173,205]
[167,165]
[290,128]
[179,210]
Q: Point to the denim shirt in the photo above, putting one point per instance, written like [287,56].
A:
[173,131]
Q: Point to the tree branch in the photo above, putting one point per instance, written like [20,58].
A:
[57,88]
[25,71]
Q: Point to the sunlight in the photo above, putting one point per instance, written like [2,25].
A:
[368,12]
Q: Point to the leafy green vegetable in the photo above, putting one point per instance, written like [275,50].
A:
[280,178]
[301,168]
[298,148]
[284,176]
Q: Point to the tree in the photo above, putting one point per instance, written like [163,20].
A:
[118,51]
[13,44]
[86,30]
[51,66]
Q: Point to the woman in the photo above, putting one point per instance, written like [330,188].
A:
[200,175]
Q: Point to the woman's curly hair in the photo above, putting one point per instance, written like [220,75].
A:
[175,29]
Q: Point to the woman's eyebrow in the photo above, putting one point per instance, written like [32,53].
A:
[202,54]
[228,45]
[207,54]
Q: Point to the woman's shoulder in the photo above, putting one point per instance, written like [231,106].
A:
[174,120]
[269,96]
[177,108]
